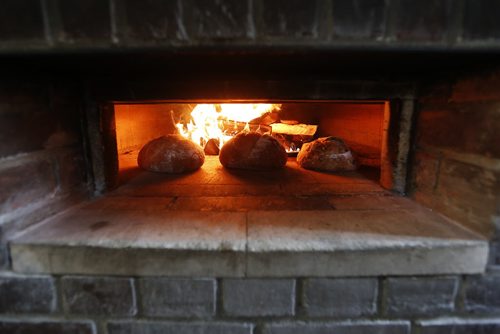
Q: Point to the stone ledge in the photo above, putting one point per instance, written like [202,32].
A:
[146,236]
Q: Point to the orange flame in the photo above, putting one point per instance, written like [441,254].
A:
[210,121]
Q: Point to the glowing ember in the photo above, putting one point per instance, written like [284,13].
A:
[223,121]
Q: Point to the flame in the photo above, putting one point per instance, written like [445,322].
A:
[222,121]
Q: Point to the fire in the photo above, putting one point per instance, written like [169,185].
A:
[222,121]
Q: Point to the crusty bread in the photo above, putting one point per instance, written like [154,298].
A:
[251,150]
[327,154]
[171,154]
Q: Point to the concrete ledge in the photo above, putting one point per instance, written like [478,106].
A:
[363,236]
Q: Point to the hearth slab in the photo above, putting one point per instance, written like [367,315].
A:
[363,235]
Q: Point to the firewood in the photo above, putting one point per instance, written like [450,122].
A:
[294,129]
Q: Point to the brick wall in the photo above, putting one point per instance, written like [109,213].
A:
[41,158]
[83,304]
[457,160]
[57,25]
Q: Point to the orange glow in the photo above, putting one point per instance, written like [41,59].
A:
[222,121]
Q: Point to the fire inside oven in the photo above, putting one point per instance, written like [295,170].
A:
[358,127]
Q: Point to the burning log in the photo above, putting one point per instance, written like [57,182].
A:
[267,119]
[292,136]
[305,130]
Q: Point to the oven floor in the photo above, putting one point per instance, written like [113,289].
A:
[215,222]
[212,179]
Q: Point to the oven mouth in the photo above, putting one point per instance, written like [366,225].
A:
[362,125]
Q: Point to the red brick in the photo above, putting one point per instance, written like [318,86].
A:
[71,170]
[426,172]
[477,88]
[469,194]
[469,129]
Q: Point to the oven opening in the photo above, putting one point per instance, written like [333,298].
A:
[358,130]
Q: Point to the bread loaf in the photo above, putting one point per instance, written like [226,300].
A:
[171,154]
[327,154]
[251,150]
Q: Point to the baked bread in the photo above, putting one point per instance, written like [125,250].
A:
[171,154]
[327,154]
[251,150]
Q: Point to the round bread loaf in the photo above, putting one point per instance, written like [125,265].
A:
[327,154]
[251,150]
[171,154]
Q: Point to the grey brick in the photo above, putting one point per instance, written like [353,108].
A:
[145,327]
[420,20]
[354,327]
[286,18]
[4,253]
[421,296]
[87,20]
[46,326]
[21,20]
[99,296]
[481,20]
[216,19]
[258,297]
[358,18]
[482,293]
[494,253]
[177,297]
[150,21]
[20,294]
[459,326]
[349,297]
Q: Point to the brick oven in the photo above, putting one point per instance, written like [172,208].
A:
[407,243]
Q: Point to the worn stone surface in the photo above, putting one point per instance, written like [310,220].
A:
[217,19]
[482,294]
[421,296]
[99,296]
[418,20]
[358,19]
[144,224]
[258,297]
[25,294]
[350,297]
[85,21]
[21,20]
[126,261]
[46,326]
[289,18]
[128,236]
[354,327]
[459,326]
[335,230]
[145,327]
[481,20]
[164,297]
[153,21]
